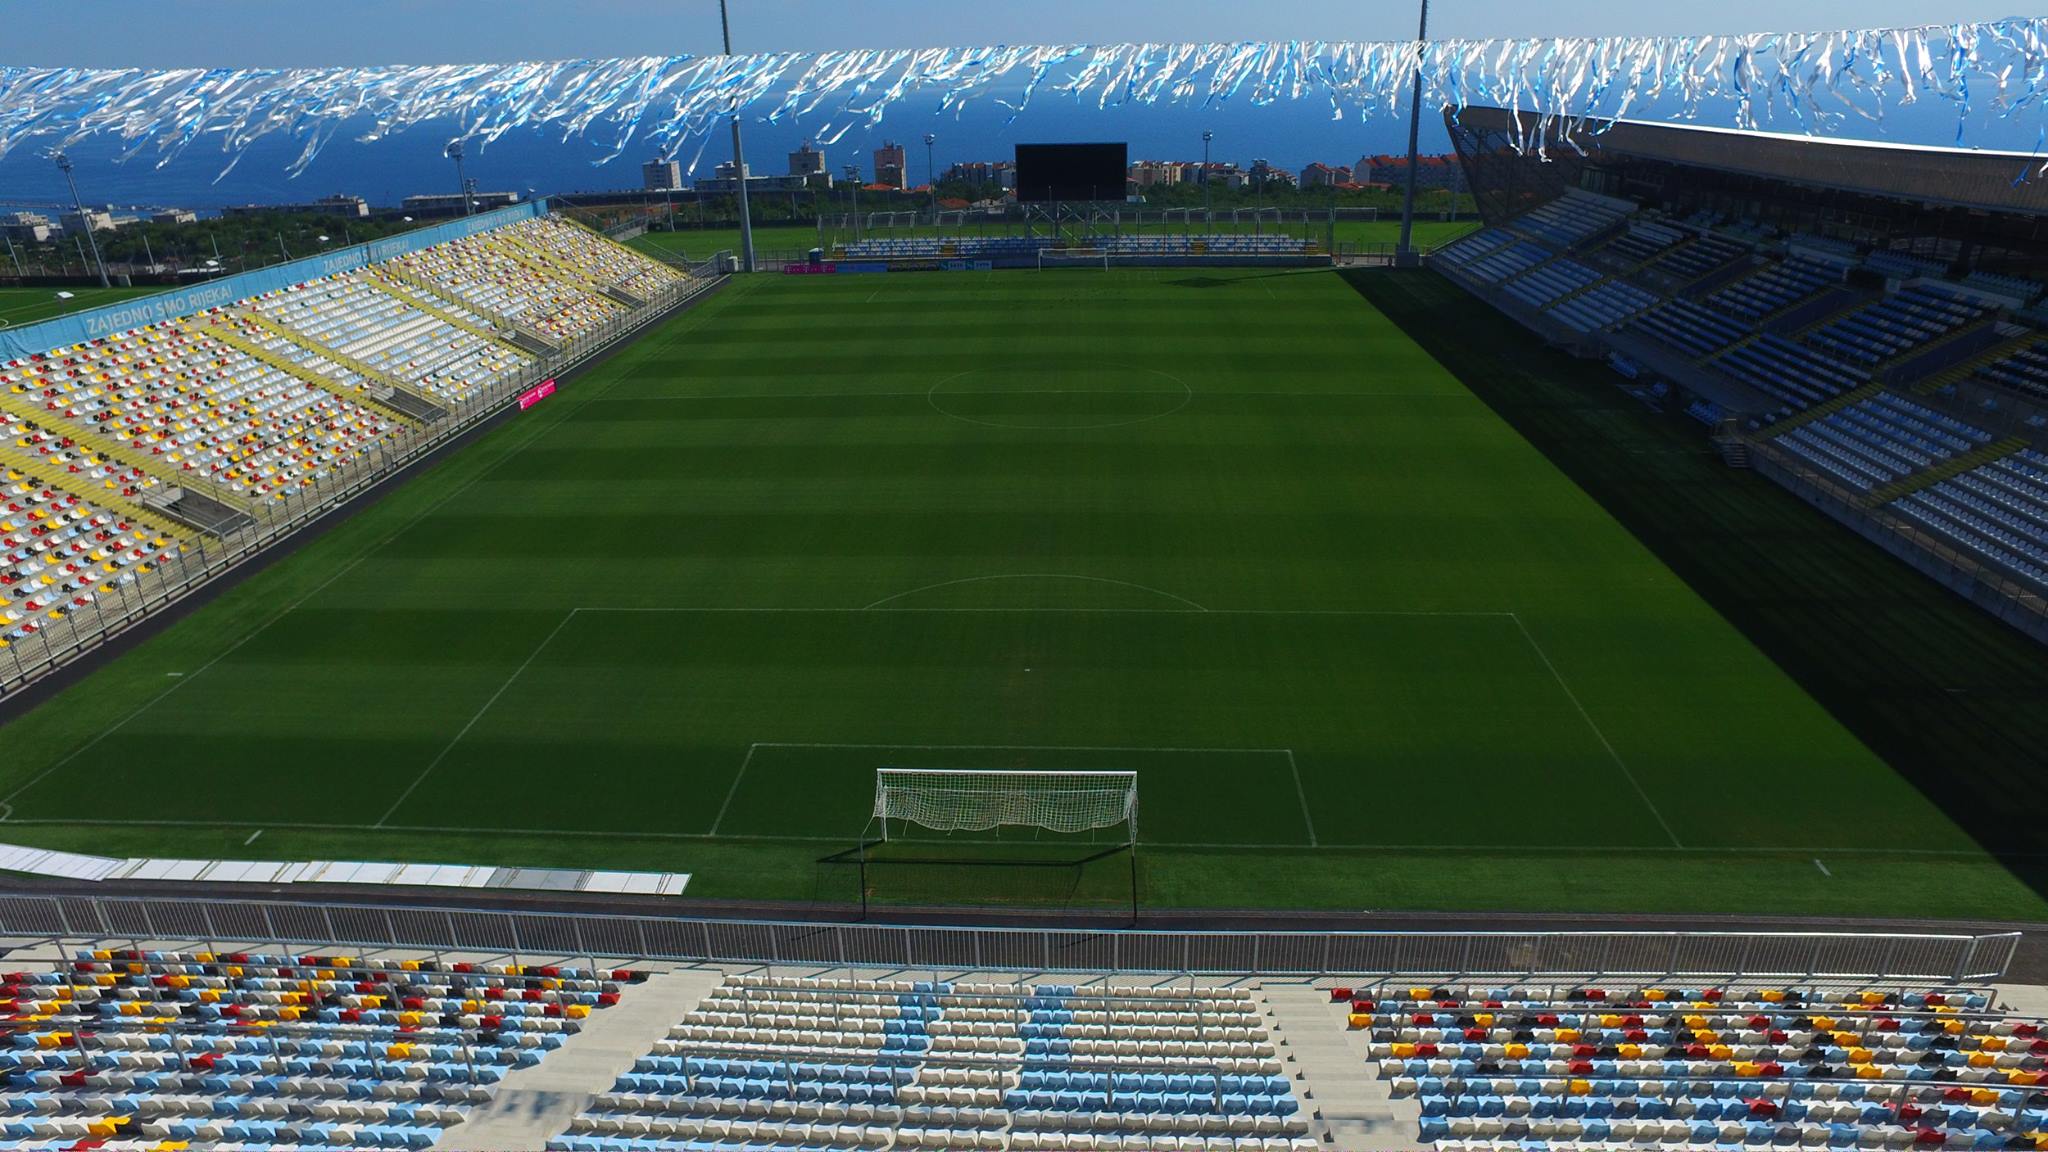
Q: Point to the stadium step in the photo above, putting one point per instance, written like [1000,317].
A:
[414,298]
[1347,1108]
[1825,407]
[1962,370]
[535,1105]
[1953,466]
[108,447]
[298,371]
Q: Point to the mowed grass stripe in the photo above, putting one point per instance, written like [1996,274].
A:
[1040,577]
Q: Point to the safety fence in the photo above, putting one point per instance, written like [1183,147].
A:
[1807,956]
[209,558]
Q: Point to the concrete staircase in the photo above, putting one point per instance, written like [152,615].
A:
[534,1105]
[1348,1106]
[1832,404]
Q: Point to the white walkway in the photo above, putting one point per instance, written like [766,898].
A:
[533,1105]
[1347,1103]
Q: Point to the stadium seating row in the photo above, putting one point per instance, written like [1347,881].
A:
[794,1062]
[273,1051]
[1588,1068]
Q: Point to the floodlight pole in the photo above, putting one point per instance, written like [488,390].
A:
[1207,219]
[455,154]
[930,177]
[739,160]
[84,221]
[853,187]
[1405,254]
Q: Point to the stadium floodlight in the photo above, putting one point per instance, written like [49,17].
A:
[84,221]
[930,176]
[739,159]
[1207,219]
[468,196]
[1405,253]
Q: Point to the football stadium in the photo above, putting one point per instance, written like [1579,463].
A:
[1156,657]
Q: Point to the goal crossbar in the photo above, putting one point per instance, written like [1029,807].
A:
[978,799]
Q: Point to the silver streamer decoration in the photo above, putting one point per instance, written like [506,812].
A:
[1808,82]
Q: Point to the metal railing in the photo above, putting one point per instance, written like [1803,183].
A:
[208,559]
[1930,957]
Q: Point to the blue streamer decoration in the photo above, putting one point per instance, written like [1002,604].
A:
[1815,79]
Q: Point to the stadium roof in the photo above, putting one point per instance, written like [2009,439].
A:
[1957,177]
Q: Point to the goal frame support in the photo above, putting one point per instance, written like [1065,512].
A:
[882,815]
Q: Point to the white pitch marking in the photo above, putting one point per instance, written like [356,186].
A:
[732,791]
[1038,576]
[1597,733]
[1823,868]
[436,762]
[252,837]
[1302,795]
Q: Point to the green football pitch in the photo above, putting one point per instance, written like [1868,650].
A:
[1366,646]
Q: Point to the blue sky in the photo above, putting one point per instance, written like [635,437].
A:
[226,33]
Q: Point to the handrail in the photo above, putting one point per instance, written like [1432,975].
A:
[1580,953]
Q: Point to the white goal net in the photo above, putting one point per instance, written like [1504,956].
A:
[965,800]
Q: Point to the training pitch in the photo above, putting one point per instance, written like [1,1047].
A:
[1366,646]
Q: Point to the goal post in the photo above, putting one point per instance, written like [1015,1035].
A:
[1089,259]
[980,800]
[941,838]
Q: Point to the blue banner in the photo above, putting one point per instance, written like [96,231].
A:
[80,327]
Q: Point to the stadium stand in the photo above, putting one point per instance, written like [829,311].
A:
[1886,360]
[131,1048]
[2024,371]
[785,1061]
[1707,253]
[1611,303]
[1872,443]
[1999,511]
[1897,324]
[119,451]
[1772,289]
[1595,1068]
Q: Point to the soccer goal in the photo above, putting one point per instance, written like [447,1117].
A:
[1086,259]
[988,836]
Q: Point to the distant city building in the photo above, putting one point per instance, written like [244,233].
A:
[1000,173]
[807,161]
[1220,173]
[1320,175]
[73,222]
[659,175]
[1265,172]
[350,207]
[451,203]
[175,216]
[721,181]
[891,165]
[27,227]
[1430,171]
[1153,173]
